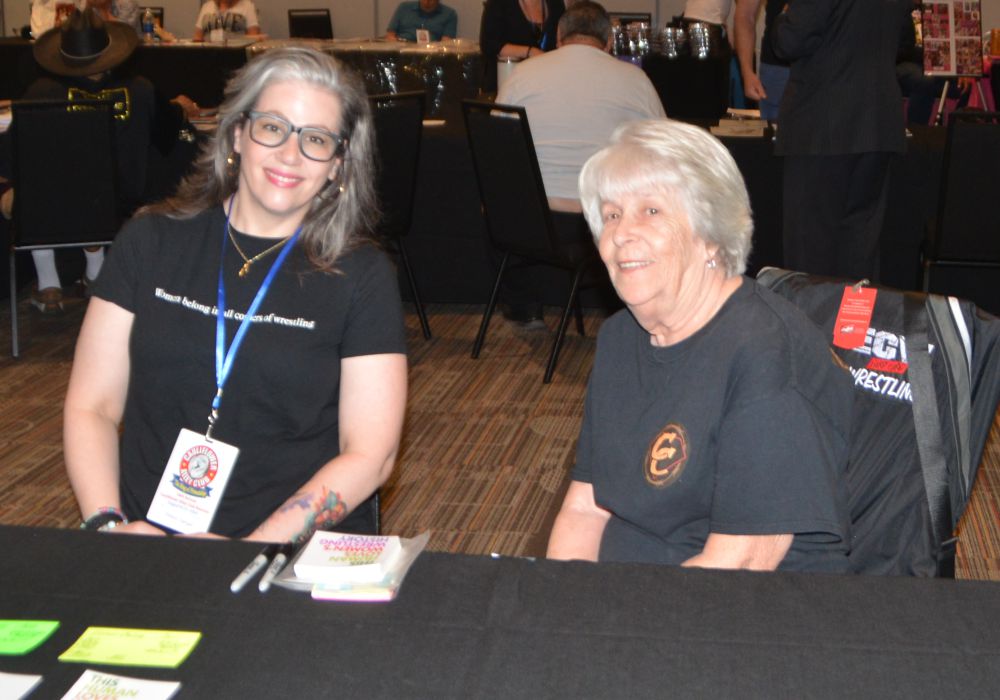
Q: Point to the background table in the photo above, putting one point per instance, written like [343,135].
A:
[475,627]
[197,70]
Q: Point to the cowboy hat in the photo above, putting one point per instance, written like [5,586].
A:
[84,44]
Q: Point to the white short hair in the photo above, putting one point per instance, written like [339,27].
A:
[684,161]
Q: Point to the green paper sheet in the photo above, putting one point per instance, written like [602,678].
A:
[132,647]
[21,636]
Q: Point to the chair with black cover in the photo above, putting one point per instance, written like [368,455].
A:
[312,23]
[398,122]
[65,181]
[926,391]
[961,252]
[516,209]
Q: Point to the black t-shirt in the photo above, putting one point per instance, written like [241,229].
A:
[280,405]
[740,429]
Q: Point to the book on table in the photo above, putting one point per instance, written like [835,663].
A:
[341,558]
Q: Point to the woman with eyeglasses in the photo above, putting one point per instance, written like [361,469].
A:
[246,329]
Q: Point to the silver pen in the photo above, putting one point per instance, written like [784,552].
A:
[277,564]
[258,563]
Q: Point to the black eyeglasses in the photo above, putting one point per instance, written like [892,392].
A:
[315,144]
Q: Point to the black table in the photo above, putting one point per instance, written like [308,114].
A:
[475,627]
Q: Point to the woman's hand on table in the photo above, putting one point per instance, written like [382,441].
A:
[137,527]
[206,536]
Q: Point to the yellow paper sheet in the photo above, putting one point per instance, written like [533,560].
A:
[132,647]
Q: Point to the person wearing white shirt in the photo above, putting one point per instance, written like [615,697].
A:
[233,16]
[575,97]
[43,13]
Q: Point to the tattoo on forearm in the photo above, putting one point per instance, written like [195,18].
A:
[322,510]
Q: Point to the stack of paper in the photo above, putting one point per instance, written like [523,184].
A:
[340,566]
[753,128]
[333,557]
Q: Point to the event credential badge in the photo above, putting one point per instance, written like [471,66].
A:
[192,484]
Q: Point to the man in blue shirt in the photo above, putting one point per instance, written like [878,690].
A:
[440,21]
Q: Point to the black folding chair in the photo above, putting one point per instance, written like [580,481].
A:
[961,252]
[399,121]
[517,212]
[65,180]
[313,23]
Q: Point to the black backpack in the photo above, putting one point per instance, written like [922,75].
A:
[927,386]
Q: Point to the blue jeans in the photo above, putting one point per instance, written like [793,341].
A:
[773,78]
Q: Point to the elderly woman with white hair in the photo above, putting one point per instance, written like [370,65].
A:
[717,420]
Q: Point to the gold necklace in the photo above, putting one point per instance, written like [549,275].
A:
[247,262]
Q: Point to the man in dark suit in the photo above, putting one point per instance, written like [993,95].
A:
[841,119]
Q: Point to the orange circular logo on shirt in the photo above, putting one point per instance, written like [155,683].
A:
[667,455]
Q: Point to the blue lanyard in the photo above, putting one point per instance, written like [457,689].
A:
[224,359]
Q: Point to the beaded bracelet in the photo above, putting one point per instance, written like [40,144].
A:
[104,519]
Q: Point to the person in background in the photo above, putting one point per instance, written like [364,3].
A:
[44,13]
[82,57]
[234,16]
[440,21]
[269,237]
[766,84]
[126,11]
[708,96]
[571,119]
[516,29]
[923,92]
[841,122]
[716,423]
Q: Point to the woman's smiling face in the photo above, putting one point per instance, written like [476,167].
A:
[654,259]
[277,185]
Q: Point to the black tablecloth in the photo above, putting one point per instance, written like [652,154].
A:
[476,627]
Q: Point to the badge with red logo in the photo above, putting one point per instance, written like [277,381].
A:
[192,483]
[199,465]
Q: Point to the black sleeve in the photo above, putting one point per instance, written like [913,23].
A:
[375,318]
[119,278]
[491,30]
[778,471]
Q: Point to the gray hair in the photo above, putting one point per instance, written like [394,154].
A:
[585,18]
[685,161]
[344,212]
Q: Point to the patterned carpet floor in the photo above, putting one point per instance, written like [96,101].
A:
[486,448]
